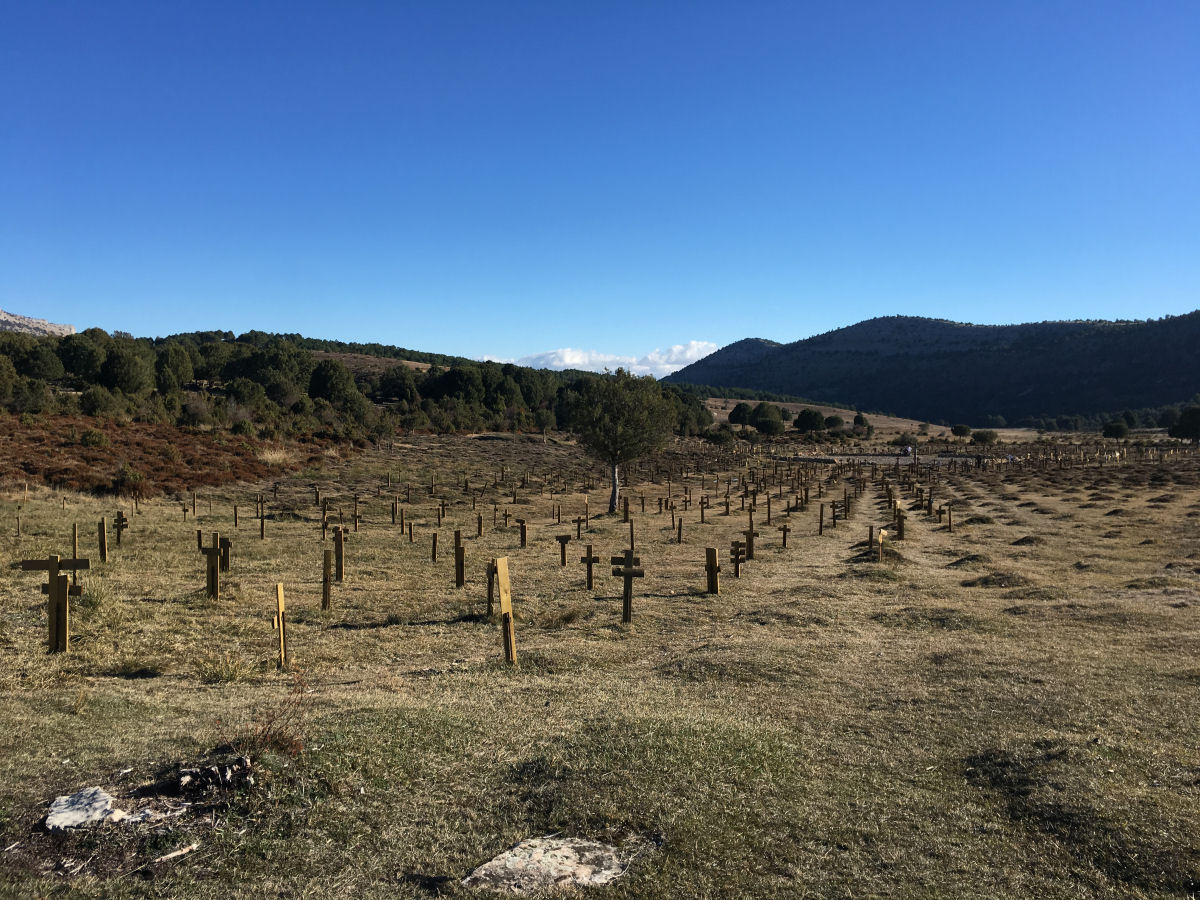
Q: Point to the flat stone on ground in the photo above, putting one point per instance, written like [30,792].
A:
[91,806]
[538,864]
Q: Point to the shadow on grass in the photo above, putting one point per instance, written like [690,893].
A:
[1044,786]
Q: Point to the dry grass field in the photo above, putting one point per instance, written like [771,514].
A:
[1006,710]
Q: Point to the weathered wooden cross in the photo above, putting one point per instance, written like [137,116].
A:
[589,560]
[737,556]
[563,540]
[750,534]
[627,566]
[120,523]
[59,591]
[712,568]
[784,529]
[212,557]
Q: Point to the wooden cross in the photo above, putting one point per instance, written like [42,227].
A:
[212,563]
[507,627]
[712,568]
[524,531]
[120,523]
[563,540]
[578,528]
[279,623]
[737,555]
[58,591]
[784,529]
[627,566]
[589,560]
[226,545]
[750,534]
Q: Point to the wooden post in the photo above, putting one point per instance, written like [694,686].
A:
[193,504]
[950,519]
[589,560]
[433,552]
[235,515]
[326,578]
[226,547]
[627,566]
[103,536]
[821,521]
[631,546]
[712,568]
[460,566]
[479,525]
[679,531]
[339,553]
[280,624]
[563,540]
[524,531]
[506,611]
[882,535]
[491,588]
[262,527]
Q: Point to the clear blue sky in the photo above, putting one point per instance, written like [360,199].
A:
[508,179]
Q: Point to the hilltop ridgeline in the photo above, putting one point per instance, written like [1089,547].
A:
[938,370]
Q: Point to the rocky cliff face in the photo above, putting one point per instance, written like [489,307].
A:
[27,325]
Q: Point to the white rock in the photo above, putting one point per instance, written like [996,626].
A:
[537,864]
[91,806]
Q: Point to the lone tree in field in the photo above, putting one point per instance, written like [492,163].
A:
[620,418]
[1187,426]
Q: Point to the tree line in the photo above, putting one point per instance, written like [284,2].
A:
[274,385]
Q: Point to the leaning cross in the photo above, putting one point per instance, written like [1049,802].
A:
[627,566]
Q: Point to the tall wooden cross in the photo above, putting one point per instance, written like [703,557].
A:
[627,566]
[589,560]
[58,590]
[737,556]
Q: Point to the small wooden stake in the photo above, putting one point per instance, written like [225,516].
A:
[103,537]
[280,625]
[326,578]
[506,611]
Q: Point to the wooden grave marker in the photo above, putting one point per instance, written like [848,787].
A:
[326,578]
[58,591]
[589,560]
[627,566]
[563,540]
[507,626]
[279,624]
[120,523]
[103,540]
[339,553]
[737,556]
[460,566]
[212,556]
[712,569]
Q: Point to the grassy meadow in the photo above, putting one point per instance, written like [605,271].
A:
[1008,709]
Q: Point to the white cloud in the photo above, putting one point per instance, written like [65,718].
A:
[657,362]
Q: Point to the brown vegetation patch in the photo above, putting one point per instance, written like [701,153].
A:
[998,580]
[915,617]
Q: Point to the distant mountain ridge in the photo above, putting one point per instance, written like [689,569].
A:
[28,325]
[940,370]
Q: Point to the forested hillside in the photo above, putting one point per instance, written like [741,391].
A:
[1047,374]
[271,385]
